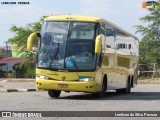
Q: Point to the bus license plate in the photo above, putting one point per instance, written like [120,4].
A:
[63,86]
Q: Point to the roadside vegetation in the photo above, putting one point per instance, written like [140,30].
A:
[150,43]
[20,39]
[2,55]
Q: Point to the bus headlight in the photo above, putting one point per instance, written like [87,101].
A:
[86,79]
[42,77]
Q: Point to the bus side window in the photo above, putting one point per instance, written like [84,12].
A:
[129,46]
[102,31]
[123,46]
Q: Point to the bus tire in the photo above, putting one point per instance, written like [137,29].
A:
[128,89]
[102,92]
[54,93]
[125,90]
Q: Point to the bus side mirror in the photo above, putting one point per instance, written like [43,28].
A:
[30,40]
[98,44]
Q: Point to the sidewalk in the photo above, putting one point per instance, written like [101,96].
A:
[17,85]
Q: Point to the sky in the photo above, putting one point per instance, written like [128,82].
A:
[124,13]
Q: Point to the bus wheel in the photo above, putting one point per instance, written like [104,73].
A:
[54,93]
[125,90]
[128,89]
[103,91]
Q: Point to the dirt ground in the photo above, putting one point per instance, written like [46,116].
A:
[149,81]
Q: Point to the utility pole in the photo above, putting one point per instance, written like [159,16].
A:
[6,50]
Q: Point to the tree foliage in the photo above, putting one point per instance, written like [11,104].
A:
[2,55]
[20,38]
[22,33]
[150,43]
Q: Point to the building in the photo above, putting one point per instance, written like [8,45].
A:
[7,65]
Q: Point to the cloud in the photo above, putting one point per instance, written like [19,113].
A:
[20,16]
[124,13]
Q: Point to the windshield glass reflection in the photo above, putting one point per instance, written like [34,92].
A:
[67,45]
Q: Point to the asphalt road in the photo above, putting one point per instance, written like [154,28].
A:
[142,98]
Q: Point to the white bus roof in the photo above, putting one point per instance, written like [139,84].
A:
[119,29]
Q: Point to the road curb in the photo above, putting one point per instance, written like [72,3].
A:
[19,90]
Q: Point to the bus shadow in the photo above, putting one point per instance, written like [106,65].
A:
[116,96]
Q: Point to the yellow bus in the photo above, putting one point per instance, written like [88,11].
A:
[84,54]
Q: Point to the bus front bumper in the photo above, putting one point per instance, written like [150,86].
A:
[66,85]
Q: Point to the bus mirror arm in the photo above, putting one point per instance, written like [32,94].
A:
[98,44]
[31,38]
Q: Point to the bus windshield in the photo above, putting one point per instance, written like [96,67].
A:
[67,46]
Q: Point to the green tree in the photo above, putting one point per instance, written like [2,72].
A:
[3,55]
[150,43]
[20,38]
[22,33]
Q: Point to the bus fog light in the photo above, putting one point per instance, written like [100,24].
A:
[42,77]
